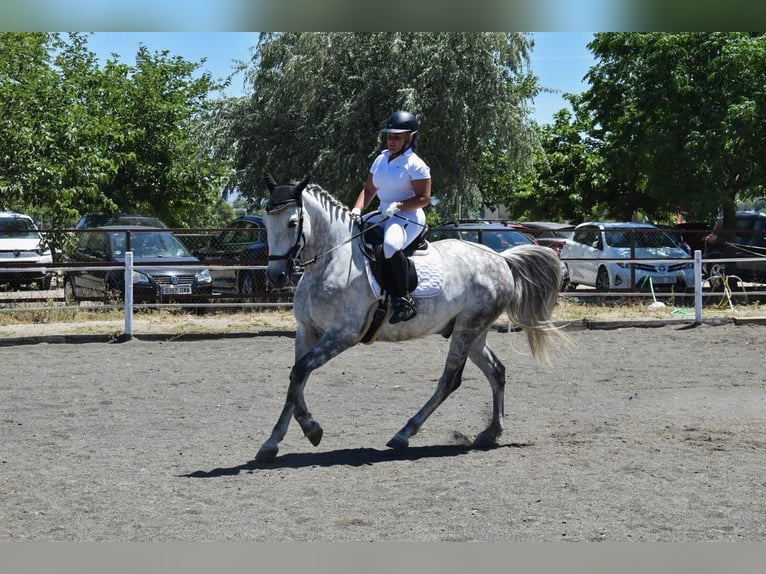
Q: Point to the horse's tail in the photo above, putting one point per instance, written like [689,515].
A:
[536,272]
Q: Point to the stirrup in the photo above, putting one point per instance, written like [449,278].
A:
[404,309]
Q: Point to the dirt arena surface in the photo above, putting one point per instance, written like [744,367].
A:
[634,434]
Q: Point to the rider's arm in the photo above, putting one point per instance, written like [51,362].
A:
[366,195]
[422,198]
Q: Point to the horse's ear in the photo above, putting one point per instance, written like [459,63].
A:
[270,182]
[298,189]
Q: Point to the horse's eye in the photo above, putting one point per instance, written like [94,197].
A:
[292,223]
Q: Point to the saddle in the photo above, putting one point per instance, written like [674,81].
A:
[372,247]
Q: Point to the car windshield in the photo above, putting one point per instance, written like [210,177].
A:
[639,238]
[149,244]
[18,228]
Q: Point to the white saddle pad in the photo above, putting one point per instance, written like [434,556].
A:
[429,265]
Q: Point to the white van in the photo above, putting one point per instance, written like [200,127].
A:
[22,247]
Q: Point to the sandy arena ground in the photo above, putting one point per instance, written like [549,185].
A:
[634,434]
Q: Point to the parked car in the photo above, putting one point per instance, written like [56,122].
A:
[594,245]
[22,245]
[748,241]
[497,235]
[693,233]
[165,280]
[90,220]
[549,233]
[243,242]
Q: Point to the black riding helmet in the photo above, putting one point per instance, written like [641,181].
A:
[399,122]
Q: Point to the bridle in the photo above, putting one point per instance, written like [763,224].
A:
[293,254]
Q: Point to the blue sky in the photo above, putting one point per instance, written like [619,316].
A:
[560,59]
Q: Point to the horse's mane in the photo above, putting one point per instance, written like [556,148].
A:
[324,196]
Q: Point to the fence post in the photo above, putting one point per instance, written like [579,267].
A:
[697,286]
[128,294]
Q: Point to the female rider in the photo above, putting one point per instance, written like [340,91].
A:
[402,182]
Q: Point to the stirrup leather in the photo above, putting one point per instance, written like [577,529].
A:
[404,309]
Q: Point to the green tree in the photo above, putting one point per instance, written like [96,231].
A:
[50,158]
[682,118]
[564,182]
[76,137]
[165,165]
[319,100]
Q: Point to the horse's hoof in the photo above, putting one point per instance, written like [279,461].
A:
[485,440]
[315,434]
[398,442]
[267,454]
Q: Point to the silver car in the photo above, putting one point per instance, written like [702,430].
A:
[594,252]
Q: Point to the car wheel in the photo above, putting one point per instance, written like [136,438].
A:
[44,284]
[70,298]
[602,279]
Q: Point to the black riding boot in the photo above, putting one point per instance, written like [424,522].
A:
[402,303]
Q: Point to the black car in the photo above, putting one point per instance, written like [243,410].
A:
[161,273]
[748,240]
[242,243]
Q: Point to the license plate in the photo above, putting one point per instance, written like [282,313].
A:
[663,279]
[176,290]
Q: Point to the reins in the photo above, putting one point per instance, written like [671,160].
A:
[349,240]
[295,251]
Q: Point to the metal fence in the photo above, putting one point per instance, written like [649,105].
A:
[251,261]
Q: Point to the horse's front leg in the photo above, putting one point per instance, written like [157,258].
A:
[329,346]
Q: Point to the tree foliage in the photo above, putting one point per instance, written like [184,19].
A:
[76,137]
[564,181]
[319,100]
[681,118]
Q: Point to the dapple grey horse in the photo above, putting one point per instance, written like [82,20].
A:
[334,304]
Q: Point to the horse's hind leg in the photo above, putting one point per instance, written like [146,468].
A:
[483,357]
[448,382]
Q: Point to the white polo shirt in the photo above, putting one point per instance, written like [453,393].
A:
[393,180]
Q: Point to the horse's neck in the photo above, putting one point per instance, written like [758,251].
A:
[330,227]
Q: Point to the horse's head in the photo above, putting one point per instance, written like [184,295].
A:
[284,229]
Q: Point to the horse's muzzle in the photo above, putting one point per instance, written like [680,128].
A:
[279,273]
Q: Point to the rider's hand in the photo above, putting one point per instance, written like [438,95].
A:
[392,209]
[356,213]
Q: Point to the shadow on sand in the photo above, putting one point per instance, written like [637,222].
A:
[348,457]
